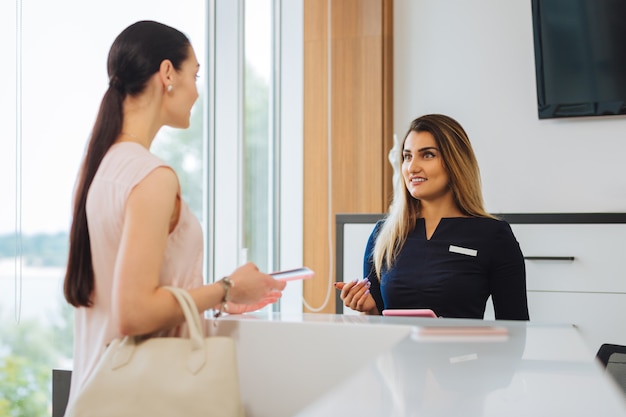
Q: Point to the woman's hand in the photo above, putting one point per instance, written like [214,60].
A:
[234,308]
[356,295]
[252,289]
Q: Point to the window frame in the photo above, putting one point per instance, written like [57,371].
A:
[224,212]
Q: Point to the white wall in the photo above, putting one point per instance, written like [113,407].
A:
[474,60]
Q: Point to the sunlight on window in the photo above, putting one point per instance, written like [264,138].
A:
[258,165]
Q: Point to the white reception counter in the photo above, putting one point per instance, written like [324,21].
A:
[338,365]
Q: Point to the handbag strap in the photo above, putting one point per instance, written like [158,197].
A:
[190,310]
[197,355]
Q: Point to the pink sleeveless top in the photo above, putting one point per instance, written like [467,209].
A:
[124,166]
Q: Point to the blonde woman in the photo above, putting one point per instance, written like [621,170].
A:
[438,248]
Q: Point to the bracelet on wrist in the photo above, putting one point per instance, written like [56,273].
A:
[227,283]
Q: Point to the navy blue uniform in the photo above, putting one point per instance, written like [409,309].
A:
[466,260]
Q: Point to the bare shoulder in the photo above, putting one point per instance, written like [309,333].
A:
[163,174]
[160,180]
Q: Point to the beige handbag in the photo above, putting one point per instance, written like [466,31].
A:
[164,376]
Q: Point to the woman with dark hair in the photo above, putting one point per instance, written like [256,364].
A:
[438,248]
[131,231]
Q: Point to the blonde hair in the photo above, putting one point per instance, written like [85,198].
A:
[462,168]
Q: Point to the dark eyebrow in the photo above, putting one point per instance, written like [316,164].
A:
[428,148]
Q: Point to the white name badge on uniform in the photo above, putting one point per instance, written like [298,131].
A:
[463,251]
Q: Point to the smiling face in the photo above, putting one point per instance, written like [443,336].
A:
[423,169]
[184,92]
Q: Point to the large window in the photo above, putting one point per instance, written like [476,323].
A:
[55,53]
[257,133]
[228,161]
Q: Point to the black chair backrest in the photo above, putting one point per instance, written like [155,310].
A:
[61,380]
[613,357]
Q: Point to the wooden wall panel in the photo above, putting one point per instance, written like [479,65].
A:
[387,102]
[353,177]
[315,147]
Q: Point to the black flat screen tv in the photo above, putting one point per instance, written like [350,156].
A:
[580,57]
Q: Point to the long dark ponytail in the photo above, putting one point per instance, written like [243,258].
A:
[136,55]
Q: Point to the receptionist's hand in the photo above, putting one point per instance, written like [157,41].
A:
[356,295]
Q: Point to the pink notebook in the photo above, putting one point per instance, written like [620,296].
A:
[410,312]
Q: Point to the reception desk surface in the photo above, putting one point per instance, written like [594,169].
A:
[336,365]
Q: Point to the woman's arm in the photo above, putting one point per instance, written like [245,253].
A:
[508,277]
[369,271]
[140,306]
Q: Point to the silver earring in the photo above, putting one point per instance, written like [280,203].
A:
[169,88]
